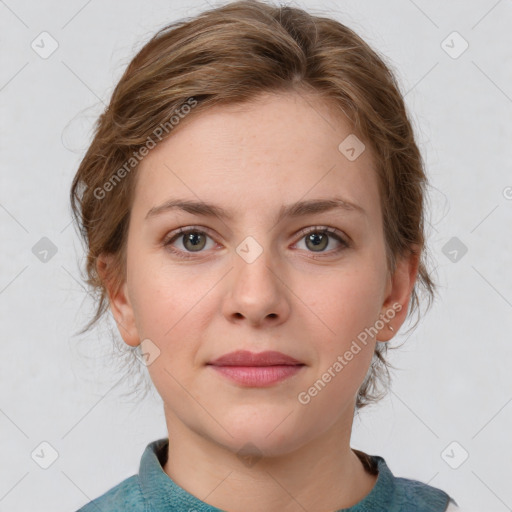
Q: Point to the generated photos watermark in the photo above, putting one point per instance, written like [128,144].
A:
[158,133]
[304,397]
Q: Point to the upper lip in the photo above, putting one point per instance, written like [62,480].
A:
[246,358]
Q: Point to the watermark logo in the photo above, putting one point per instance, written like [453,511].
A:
[454,45]
[249,454]
[44,455]
[454,249]
[44,45]
[44,250]
[454,455]
[249,249]
[351,147]
[149,352]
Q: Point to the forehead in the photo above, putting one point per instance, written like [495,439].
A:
[277,149]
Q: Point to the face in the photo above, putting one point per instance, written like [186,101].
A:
[258,275]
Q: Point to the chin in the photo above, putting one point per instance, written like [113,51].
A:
[261,439]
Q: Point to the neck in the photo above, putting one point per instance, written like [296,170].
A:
[324,474]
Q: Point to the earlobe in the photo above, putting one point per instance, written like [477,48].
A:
[399,290]
[119,300]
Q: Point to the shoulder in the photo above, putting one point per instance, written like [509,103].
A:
[125,496]
[424,497]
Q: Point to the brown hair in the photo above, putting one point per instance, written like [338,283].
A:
[229,55]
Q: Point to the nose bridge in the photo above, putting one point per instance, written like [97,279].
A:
[253,266]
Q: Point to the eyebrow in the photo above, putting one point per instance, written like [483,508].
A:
[293,210]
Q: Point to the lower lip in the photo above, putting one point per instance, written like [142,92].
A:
[258,376]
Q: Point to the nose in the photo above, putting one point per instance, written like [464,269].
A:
[257,291]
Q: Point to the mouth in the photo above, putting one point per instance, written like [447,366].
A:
[246,358]
[256,369]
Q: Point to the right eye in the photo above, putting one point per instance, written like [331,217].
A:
[193,240]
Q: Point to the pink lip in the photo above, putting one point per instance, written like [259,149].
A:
[246,358]
[256,369]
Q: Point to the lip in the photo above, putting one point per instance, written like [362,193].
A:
[256,369]
[246,358]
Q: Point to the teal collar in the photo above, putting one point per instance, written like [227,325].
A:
[389,493]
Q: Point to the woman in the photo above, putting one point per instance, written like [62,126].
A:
[252,204]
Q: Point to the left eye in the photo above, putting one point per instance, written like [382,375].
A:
[317,239]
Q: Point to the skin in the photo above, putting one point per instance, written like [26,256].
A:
[252,160]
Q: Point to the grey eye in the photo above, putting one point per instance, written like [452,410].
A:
[317,240]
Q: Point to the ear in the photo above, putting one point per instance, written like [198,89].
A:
[398,292]
[119,300]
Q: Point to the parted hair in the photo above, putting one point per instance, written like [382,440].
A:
[229,55]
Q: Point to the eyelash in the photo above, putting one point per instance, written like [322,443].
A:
[332,232]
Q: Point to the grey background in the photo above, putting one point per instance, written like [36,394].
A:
[454,382]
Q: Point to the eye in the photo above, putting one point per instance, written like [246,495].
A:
[194,240]
[191,239]
[317,238]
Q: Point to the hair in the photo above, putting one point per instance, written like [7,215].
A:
[230,55]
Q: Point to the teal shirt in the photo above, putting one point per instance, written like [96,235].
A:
[152,490]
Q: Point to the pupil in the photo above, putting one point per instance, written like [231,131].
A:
[194,238]
[317,239]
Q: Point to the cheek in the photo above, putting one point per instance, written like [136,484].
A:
[349,307]
[343,341]
[166,297]
[173,310]
[345,301]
